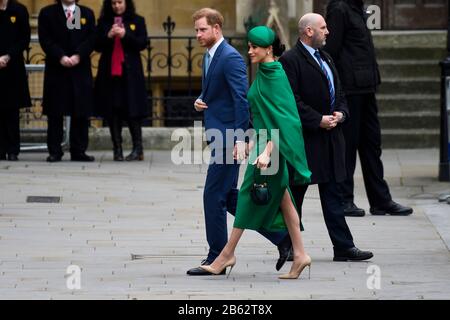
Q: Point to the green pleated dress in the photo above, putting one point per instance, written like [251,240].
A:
[273,106]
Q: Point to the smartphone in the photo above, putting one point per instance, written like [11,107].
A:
[118,21]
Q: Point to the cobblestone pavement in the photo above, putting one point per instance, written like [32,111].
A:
[135,228]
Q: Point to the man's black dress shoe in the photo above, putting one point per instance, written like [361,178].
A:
[352,254]
[54,158]
[392,208]
[82,157]
[13,157]
[284,247]
[201,272]
[351,210]
[2,156]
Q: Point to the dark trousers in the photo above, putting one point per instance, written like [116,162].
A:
[115,122]
[363,135]
[9,131]
[79,135]
[220,195]
[333,212]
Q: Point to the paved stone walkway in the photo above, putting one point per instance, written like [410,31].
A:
[135,228]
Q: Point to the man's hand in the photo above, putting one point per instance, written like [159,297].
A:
[75,59]
[199,105]
[328,122]
[4,61]
[339,116]
[66,62]
[239,152]
[249,147]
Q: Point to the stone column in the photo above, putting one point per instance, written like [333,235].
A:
[298,8]
[303,7]
[262,13]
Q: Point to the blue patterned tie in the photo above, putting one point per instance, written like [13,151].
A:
[330,85]
[207,61]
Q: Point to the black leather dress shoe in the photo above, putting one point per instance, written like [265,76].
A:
[392,208]
[83,157]
[201,272]
[54,158]
[351,210]
[352,254]
[284,247]
[2,156]
[13,157]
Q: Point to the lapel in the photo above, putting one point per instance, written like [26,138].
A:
[212,66]
[61,15]
[61,19]
[203,73]
[326,57]
[303,51]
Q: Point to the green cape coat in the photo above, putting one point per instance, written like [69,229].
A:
[275,118]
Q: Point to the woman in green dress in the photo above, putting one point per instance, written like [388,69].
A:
[279,136]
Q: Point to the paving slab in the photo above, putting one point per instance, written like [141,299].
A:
[134,229]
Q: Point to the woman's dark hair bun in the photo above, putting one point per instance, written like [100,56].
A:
[278,47]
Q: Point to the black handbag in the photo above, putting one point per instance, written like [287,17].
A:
[260,192]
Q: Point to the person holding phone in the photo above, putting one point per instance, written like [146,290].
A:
[120,92]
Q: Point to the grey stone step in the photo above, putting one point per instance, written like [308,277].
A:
[410,39]
[409,68]
[437,54]
[408,102]
[412,138]
[410,120]
[410,86]
[153,138]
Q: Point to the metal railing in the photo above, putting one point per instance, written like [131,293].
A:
[172,66]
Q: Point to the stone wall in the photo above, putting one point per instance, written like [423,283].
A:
[156,12]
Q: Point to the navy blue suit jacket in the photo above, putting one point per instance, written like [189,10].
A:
[224,90]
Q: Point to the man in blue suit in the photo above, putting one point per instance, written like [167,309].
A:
[224,103]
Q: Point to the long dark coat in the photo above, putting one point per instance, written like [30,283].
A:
[351,45]
[133,43]
[67,91]
[14,40]
[325,149]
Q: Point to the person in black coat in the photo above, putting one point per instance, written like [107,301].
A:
[14,92]
[322,109]
[351,46]
[120,92]
[68,82]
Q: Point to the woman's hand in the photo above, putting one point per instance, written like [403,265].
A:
[117,30]
[120,32]
[112,33]
[262,162]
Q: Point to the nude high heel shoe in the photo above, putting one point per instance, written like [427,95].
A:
[296,270]
[230,263]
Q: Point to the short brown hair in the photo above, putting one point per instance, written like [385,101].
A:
[212,16]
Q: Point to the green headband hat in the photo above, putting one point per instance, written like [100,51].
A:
[261,36]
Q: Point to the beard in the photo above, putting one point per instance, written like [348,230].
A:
[318,43]
[209,42]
